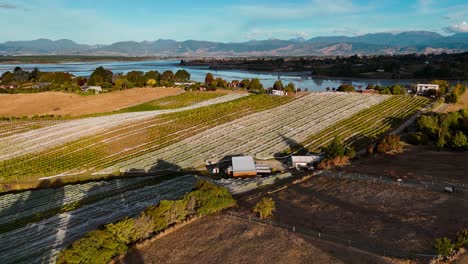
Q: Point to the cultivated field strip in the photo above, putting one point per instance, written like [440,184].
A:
[119,144]
[262,134]
[368,124]
[50,136]
[9,128]
[41,242]
[18,206]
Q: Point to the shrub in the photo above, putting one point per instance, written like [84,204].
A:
[390,143]
[418,138]
[460,141]
[143,227]
[96,247]
[264,207]
[123,231]
[443,246]
[462,239]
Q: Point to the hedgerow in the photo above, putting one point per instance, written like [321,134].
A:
[100,246]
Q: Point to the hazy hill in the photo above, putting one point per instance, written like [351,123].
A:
[378,43]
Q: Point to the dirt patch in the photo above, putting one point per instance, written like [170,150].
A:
[60,103]
[418,163]
[222,239]
[376,216]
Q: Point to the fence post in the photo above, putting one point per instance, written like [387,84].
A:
[319,235]
[349,243]
[249,218]
[294,229]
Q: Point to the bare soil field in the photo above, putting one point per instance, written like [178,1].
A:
[418,163]
[222,239]
[60,103]
[376,216]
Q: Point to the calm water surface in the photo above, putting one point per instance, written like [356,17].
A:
[197,73]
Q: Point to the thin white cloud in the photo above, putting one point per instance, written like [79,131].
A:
[458,28]
[297,11]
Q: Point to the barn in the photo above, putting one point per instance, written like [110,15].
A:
[298,162]
[244,167]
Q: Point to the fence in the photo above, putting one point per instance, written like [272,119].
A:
[433,185]
[331,238]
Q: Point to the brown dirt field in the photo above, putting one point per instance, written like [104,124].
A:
[463,103]
[376,216]
[417,162]
[60,103]
[222,239]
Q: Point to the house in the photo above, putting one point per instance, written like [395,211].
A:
[298,162]
[367,91]
[234,84]
[277,92]
[97,89]
[243,167]
[422,88]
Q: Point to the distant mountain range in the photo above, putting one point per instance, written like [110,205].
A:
[378,43]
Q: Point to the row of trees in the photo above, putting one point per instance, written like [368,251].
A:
[336,153]
[20,76]
[107,79]
[445,130]
[100,246]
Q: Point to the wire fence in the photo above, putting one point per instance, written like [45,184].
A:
[343,241]
[432,185]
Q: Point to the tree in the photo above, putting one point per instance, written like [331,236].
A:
[346,88]
[182,76]
[122,83]
[167,78]
[256,86]
[152,75]
[265,207]
[398,90]
[443,85]
[334,149]
[444,246]
[209,78]
[390,143]
[136,77]
[151,82]
[290,88]
[460,141]
[99,76]
[278,85]
[462,239]
[245,83]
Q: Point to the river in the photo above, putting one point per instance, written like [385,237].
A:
[197,73]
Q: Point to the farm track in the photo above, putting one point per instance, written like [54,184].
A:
[50,136]
[41,242]
[262,134]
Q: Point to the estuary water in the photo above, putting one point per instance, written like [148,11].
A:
[197,73]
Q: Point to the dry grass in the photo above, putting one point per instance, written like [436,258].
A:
[463,103]
[221,239]
[375,215]
[60,103]
[417,162]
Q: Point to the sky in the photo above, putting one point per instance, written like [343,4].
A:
[106,22]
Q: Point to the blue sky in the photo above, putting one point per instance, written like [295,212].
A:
[105,21]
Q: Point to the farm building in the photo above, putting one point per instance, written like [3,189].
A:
[277,92]
[243,167]
[422,88]
[299,162]
[97,89]
[263,169]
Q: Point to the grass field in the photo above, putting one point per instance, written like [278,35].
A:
[60,103]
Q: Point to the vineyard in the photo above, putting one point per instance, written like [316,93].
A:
[172,102]
[125,142]
[262,134]
[42,241]
[50,136]
[368,125]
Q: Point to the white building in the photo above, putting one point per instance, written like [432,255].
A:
[278,92]
[97,89]
[244,167]
[423,88]
[298,162]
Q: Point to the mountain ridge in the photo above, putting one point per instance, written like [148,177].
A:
[368,44]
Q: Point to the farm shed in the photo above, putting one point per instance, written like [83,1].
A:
[244,167]
[422,88]
[298,162]
[263,169]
